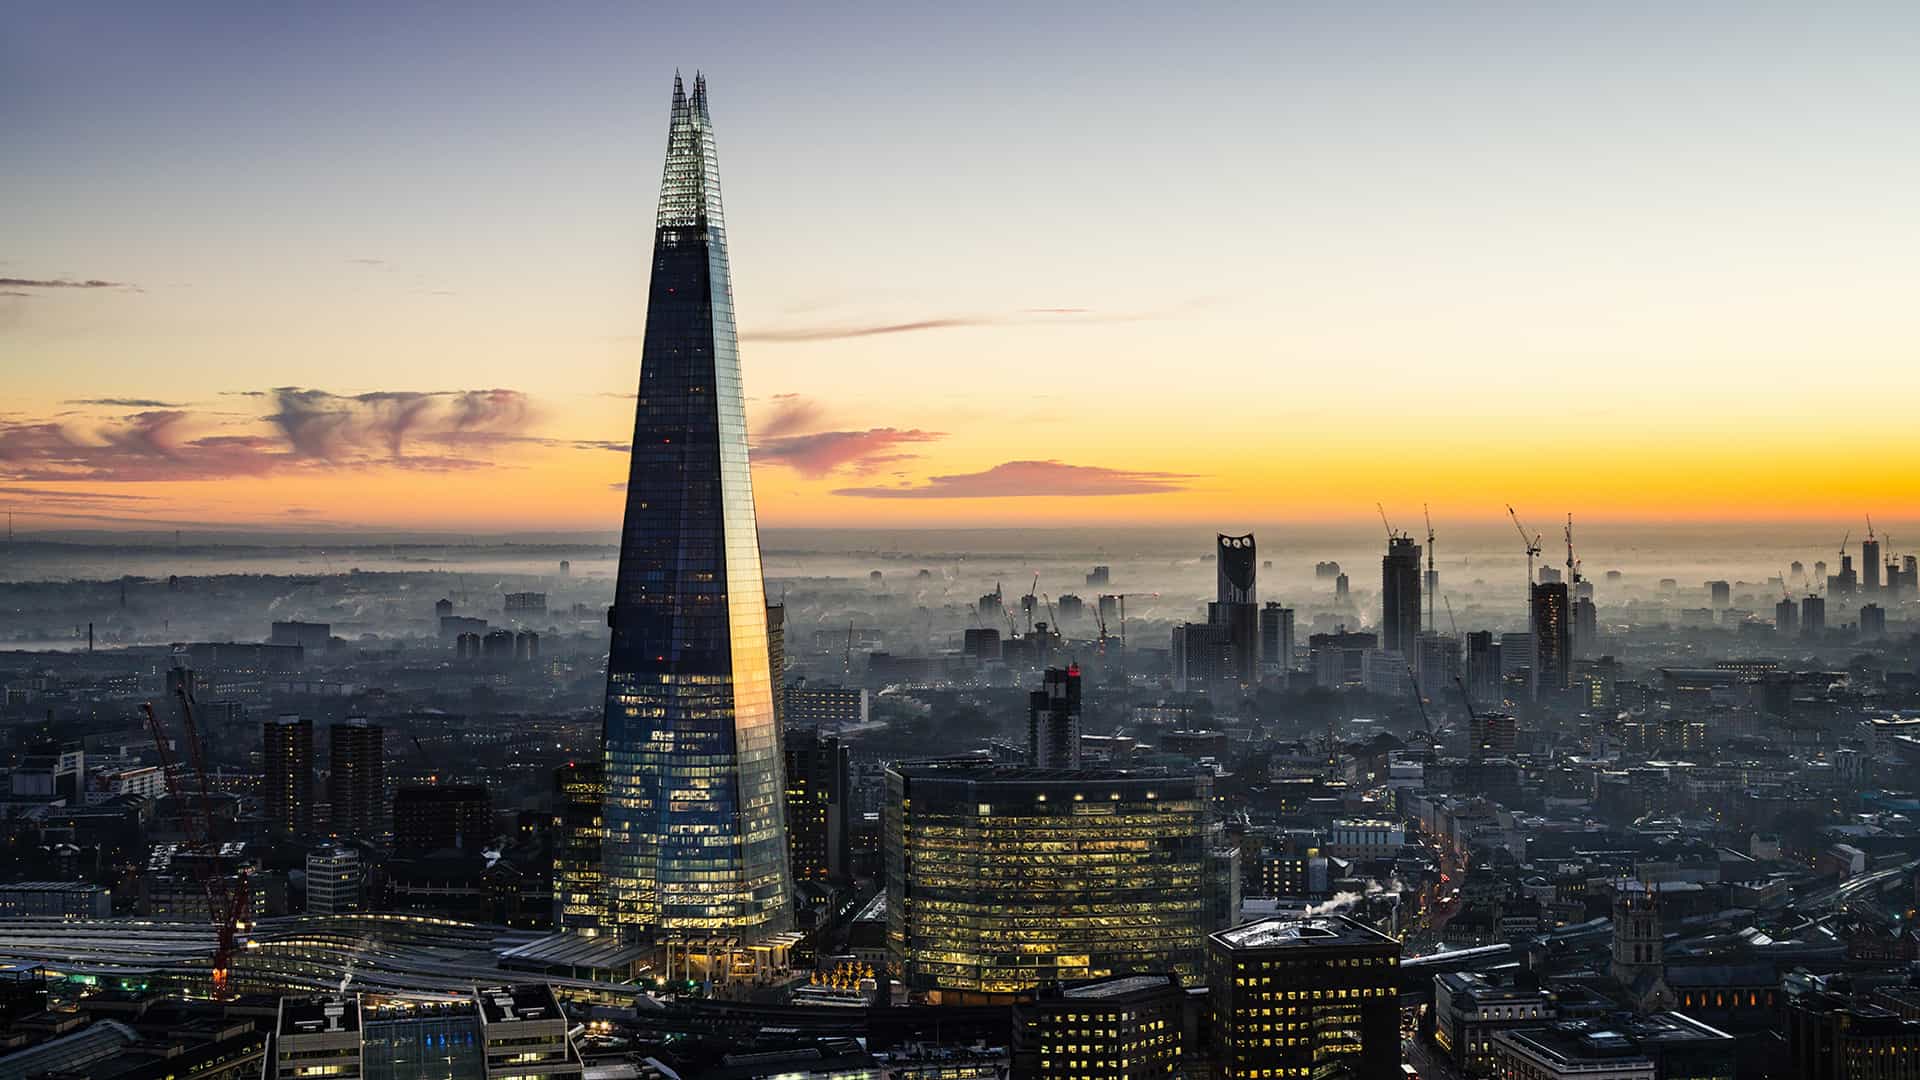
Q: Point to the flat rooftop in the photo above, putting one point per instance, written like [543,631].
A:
[1116,987]
[518,1002]
[320,1013]
[1314,932]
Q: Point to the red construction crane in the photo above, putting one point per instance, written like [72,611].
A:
[227,897]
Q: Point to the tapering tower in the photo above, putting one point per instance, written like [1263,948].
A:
[695,819]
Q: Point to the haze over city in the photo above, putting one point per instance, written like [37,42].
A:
[1083,543]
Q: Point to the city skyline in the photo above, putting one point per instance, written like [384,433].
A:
[359,272]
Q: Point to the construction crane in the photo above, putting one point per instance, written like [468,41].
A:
[1100,621]
[846,662]
[1026,602]
[1413,683]
[1391,535]
[1454,625]
[1573,565]
[1433,575]
[1848,535]
[1122,597]
[1533,545]
[227,898]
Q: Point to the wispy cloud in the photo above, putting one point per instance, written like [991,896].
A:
[124,403]
[61,283]
[335,427]
[845,331]
[1016,479]
[790,415]
[822,452]
[306,429]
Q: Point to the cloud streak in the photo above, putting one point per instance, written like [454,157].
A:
[343,428]
[848,331]
[307,429]
[60,283]
[124,403]
[818,453]
[1022,479]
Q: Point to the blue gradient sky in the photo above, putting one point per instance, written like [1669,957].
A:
[1315,255]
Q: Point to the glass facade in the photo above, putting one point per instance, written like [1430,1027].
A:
[696,837]
[1000,880]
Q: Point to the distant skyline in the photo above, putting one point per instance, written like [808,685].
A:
[359,267]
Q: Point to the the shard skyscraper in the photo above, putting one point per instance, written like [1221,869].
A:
[696,832]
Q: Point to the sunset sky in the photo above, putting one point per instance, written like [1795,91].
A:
[379,266]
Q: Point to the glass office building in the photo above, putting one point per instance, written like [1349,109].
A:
[696,837]
[1000,879]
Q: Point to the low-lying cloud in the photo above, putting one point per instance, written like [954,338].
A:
[1017,479]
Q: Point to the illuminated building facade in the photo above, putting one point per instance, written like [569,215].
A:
[1002,879]
[1552,622]
[695,811]
[1128,1027]
[286,745]
[580,793]
[1304,997]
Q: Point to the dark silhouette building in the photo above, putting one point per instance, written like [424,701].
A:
[1234,605]
[1400,596]
[1813,617]
[286,784]
[1552,620]
[695,814]
[357,777]
[1124,1027]
[819,783]
[1276,637]
[1053,721]
[429,817]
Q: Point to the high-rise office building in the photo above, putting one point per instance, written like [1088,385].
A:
[695,812]
[1846,581]
[1552,638]
[1870,564]
[1436,663]
[1202,656]
[579,800]
[1873,621]
[1235,605]
[1128,1027]
[1786,618]
[429,817]
[286,786]
[1305,997]
[334,879]
[1483,666]
[1053,721]
[1586,625]
[357,777]
[819,784]
[1813,616]
[1276,637]
[1002,879]
[1400,596]
[1720,593]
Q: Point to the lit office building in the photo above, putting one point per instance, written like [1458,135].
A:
[1305,997]
[1129,1027]
[1552,624]
[1002,879]
[580,792]
[357,778]
[1276,638]
[286,744]
[695,817]
[819,782]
